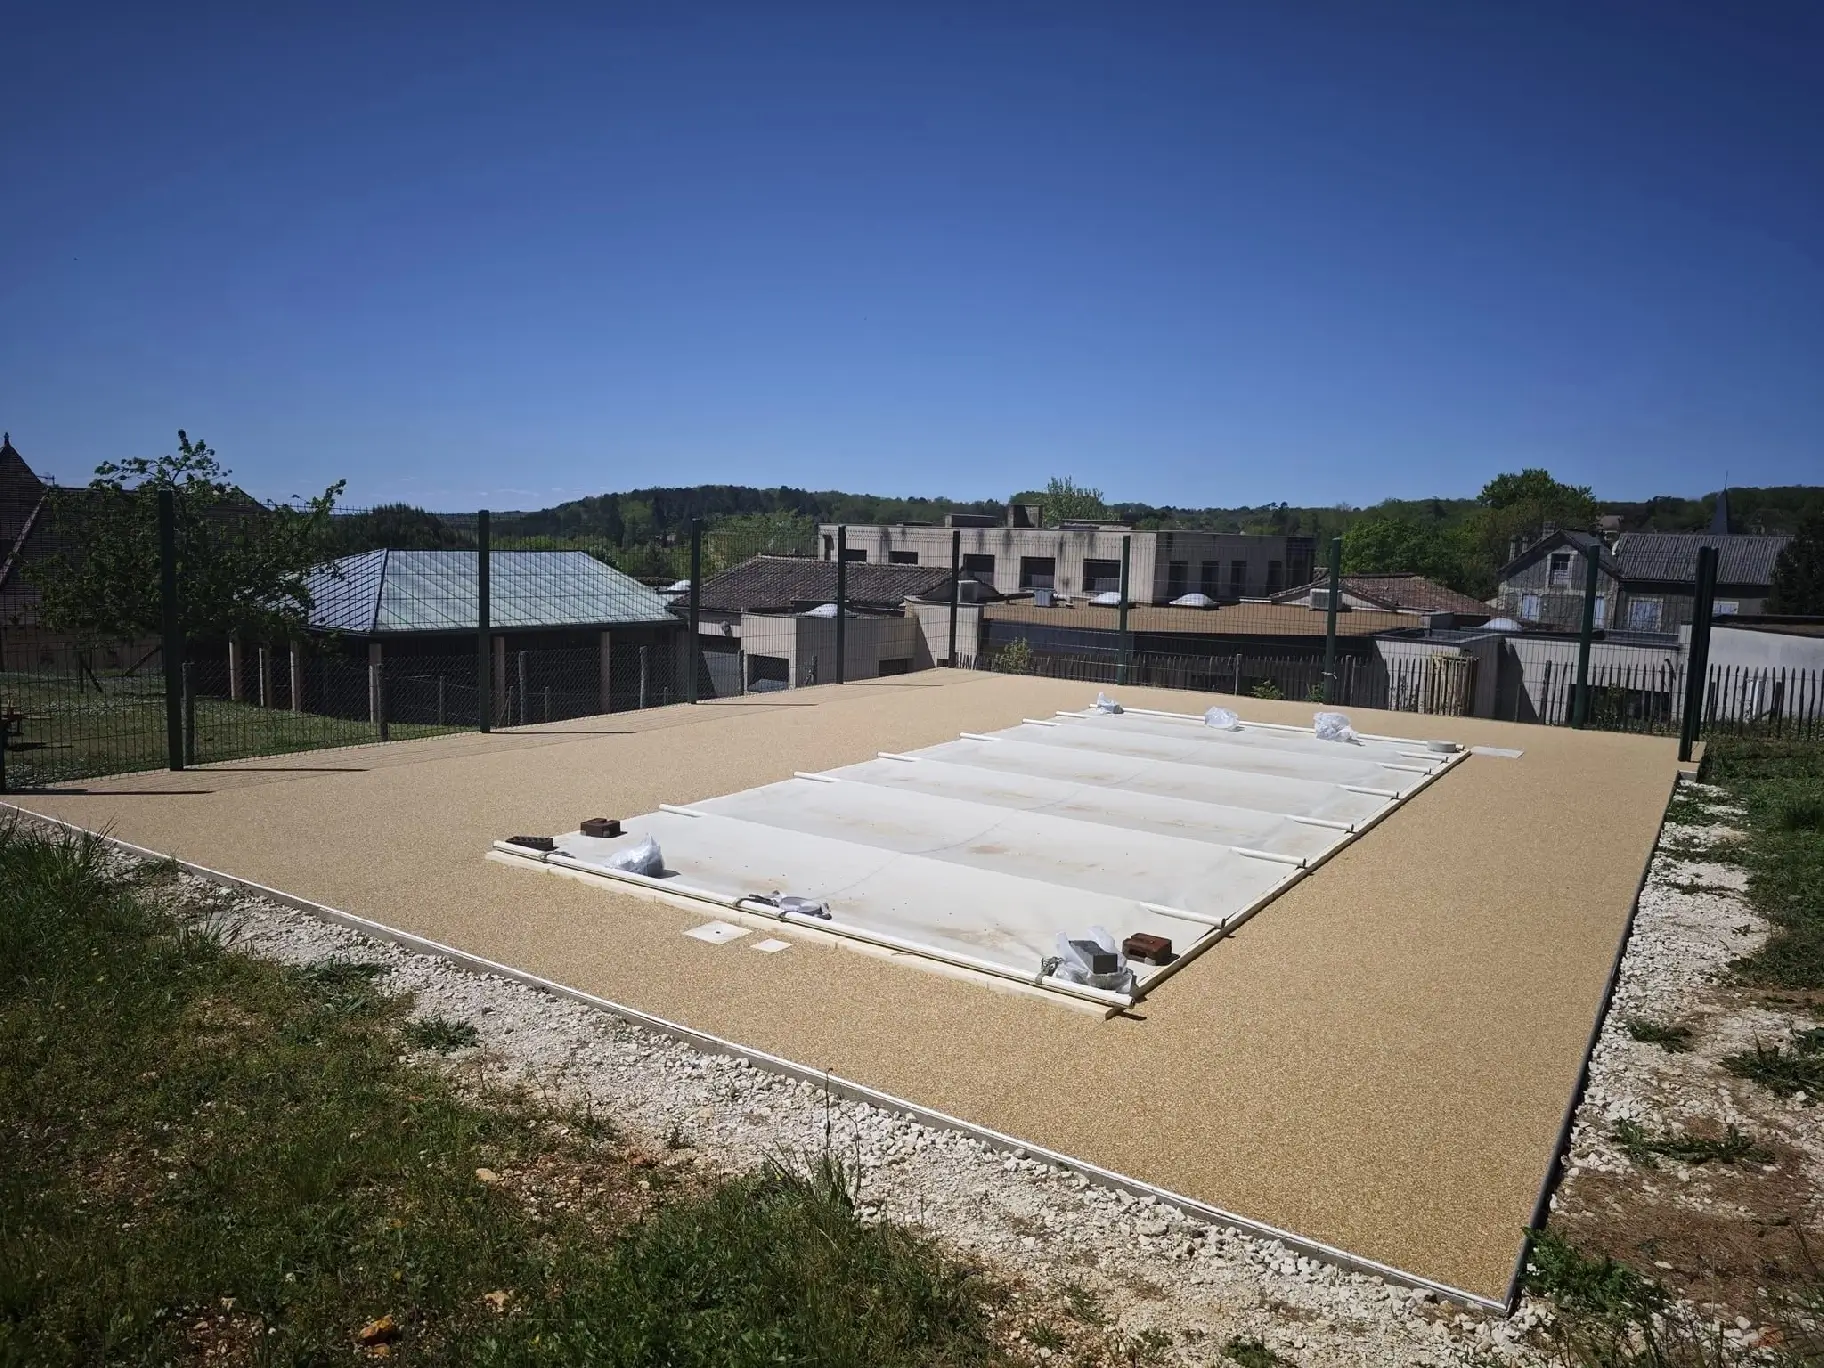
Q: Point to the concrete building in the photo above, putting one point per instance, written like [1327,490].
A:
[1081,559]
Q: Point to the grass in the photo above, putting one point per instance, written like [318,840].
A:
[1796,1068]
[1251,1353]
[209,1155]
[1780,785]
[1671,1036]
[1646,1149]
[75,731]
[440,1034]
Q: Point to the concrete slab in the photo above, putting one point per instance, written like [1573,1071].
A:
[1381,1064]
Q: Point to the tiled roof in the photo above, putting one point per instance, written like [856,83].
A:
[1672,556]
[1397,593]
[1235,619]
[776,583]
[436,591]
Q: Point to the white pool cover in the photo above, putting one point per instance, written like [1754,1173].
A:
[978,852]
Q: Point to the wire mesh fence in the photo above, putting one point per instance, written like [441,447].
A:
[295,629]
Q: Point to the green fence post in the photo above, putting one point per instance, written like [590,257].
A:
[1124,643]
[174,632]
[484,646]
[1580,708]
[189,714]
[956,588]
[842,604]
[1336,592]
[695,644]
[1697,655]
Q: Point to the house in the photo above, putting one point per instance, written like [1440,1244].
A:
[1080,559]
[571,635]
[1659,575]
[1646,581]
[1543,585]
[1394,593]
[769,622]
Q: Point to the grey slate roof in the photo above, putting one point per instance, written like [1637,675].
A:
[1557,540]
[436,591]
[779,583]
[1400,593]
[1672,556]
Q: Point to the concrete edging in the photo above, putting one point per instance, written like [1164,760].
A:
[841,1087]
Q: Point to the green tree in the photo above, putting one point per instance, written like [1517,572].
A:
[1798,575]
[241,565]
[1402,546]
[395,527]
[1066,500]
[1517,506]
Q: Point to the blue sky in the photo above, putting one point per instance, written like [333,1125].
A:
[1200,255]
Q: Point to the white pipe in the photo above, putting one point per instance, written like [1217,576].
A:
[1409,769]
[1181,915]
[1318,822]
[1296,861]
[895,755]
[978,736]
[1039,722]
[1371,792]
[816,778]
[675,810]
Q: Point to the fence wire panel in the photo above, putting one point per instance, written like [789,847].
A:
[71,714]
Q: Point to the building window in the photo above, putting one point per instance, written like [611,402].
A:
[978,566]
[1038,572]
[902,558]
[853,553]
[1558,570]
[1238,578]
[1602,610]
[1177,579]
[1529,607]
[1101,576]
[1726,607]
[1209,579]
[1643,615]
[1276,576]
[829,547]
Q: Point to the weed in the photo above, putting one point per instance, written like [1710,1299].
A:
[1803,813]
[1083,1304]
[1266,689]
[1593,1284]
[1782,1072]
[1645,1149]
[442,1034]
[1148,1346]
[1249,1352]
[1671,1036]
[1042,1335]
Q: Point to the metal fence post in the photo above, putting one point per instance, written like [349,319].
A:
[377,686]
[189,714]
[484,652]
[174,631]
[842,604]
[1697,655]
[1336,591]
[956,588]
[1580,707]
[1124,643]
[695,644]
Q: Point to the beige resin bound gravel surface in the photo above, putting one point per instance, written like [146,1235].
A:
[1380,1060]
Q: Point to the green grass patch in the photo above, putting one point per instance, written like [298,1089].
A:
[1589,1284]
[1646,1149]
[208,1155]
[1668,1035]
[1797,1068]
[1249,1352]
[1780,787]
[441,1034]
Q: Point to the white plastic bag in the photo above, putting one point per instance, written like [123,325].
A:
[1074,964]
[643,858]
[1105,704]
[791,902]
[1333,727]
[1222,719]
[1111,599]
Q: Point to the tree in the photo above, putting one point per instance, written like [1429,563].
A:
[1516,507]
[395,527]
[1798,575]
[241,565]
[1065,500]
[1401,546]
